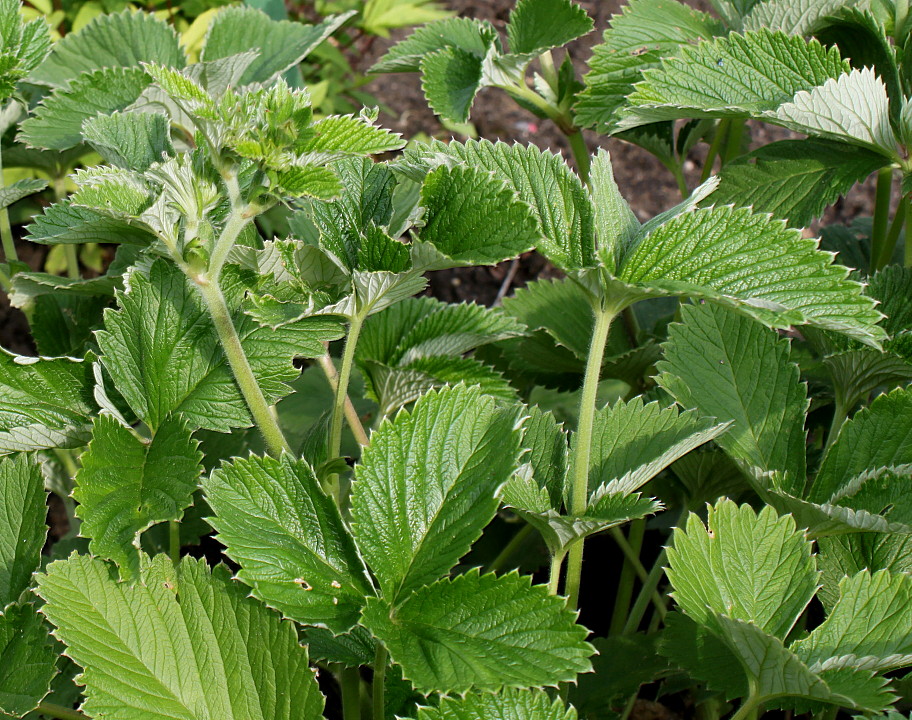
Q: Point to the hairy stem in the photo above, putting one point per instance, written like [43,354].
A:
[510,549]
[678,171]
[896,227]
[60,712]
[733,141]
[907,250]
[549,72]
[749,710]
[240,366]
[583,444]
[714,147]
[647,595]
[335,428]
[69,250]
[174,541]
[633,557]
[840,415]
[580,154]
[350,684]
[6,231]
[240,216]
[351,415]
[557,563]
[879,230]
[379,689]
[628,576]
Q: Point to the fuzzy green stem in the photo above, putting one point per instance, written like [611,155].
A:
[174,541]
[583,444]
[72,261]
[749,710]
[896,227]
[5,282]
[580,154]
[549,72]
[840,415]
[879,231]
[628,575]
[348,361]
[714,147]
[907,250]
[678,173]
[733,141]
[557,562]
[350,684]
[351,415]
[379,689]
[899,21]
[240,366]
[632,556]
[60,712]
[516,542]
[6,231]
[647,595]
[238,219]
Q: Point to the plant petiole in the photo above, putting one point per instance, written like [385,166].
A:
[348,361]
[59,712]
[379,688]
[879,231]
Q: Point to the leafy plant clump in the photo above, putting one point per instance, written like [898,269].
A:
[297,488]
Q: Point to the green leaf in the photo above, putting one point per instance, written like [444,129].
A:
[164,355]
[539,25]
[469,35]
[870,626]
[56,123]
[44,402]
[548,453]
[754,568]
[280,44]
[733,76]
[339,136]
[450,79]
[616,225]
[633,442]
[509,704]
[312,180]
[877,436]
[853,108]
[846,555]
[890,286]
[122,40]
[27,659]
[712,362]
[133,141]
[858,373]
[22,530]
[14,192]
[126,485]
[637,39]
[474,218]
[757,266]
[289,539]
[352,649]
[426,486]
[794,17]
[66,222]
[191,643]
[482,632]
[542,179]
[795,179]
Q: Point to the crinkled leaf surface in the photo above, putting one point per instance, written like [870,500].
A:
[472,217]
[22,528]
[734,76]
[795,179]
[509,704]
[473,36]
[126,485]
[279,44]
[751,567]
[877,436]
[163,352]
[636,39]
[27,659]
[451,78]
[130,140]
[121,40]
[756,265]
[66,222]
[538,25]
[44,402]
[632,442]
[20,189]
[482,632]
[426,486]
[712,362]
[289,539]
[56,123]
[190,642]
